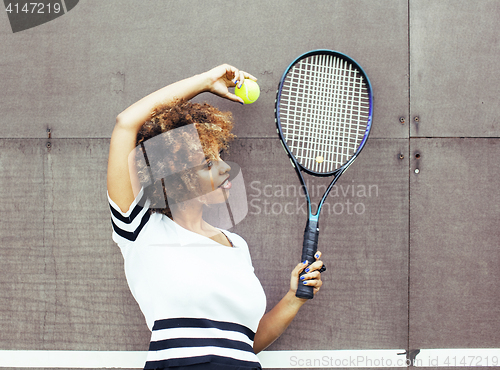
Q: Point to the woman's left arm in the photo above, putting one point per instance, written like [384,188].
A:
[274,322]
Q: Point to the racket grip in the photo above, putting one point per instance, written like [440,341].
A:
[309,248]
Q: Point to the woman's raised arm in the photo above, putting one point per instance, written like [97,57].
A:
[128,122]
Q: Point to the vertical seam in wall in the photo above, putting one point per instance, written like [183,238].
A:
[409,182]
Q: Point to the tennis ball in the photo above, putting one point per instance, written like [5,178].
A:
[249,91]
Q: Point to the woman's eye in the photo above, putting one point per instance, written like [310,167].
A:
[209,164]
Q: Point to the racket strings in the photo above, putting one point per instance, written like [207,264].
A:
[324,111]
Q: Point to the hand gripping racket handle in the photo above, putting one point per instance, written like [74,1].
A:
[309,248]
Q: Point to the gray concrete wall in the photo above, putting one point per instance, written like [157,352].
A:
[418,268]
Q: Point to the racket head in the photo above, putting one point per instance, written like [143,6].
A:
[324,110]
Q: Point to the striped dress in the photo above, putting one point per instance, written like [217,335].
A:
[201,300]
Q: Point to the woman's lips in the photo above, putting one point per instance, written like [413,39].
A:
[226,185]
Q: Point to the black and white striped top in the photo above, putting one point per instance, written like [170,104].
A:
[201,300]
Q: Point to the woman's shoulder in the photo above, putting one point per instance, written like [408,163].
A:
[236,239]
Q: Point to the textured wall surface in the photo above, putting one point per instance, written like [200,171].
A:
[412,257]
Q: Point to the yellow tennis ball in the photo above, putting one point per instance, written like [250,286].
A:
[249,91]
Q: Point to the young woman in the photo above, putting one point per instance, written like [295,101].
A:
[194,283]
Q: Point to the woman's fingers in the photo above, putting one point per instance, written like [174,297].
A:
[316,265]
[225,76]
[233,97]
[312,279]
[294,278]
[298,269]
[241,79]
[312,276]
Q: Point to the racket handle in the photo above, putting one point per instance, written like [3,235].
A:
[309,248]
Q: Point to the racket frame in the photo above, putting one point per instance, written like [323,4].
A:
[312,230]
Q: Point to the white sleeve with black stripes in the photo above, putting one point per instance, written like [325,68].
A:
[128,226]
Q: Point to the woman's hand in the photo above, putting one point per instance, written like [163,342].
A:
[225,76]
[274,322]
[312,277]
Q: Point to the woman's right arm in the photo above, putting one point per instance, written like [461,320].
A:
[128,123]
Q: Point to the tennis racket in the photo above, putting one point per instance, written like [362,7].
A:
[323,114]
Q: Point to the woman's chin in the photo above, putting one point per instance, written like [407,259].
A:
[218,196]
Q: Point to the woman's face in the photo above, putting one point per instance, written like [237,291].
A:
[214,179]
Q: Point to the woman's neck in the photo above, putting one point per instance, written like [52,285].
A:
[190,217]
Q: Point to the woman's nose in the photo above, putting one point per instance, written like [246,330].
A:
[223,167]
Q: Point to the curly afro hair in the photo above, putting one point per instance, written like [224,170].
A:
[214,132]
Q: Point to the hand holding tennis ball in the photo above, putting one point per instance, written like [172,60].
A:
[249,91]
